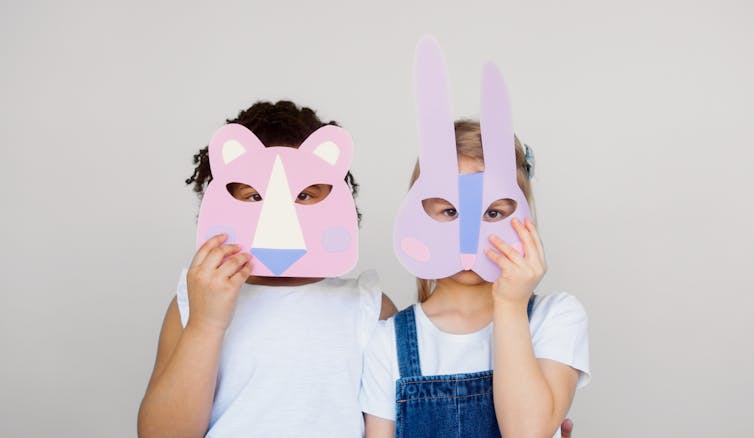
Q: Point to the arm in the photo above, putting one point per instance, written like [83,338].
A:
[387,309]
[377,392]
[179,396]
[376,427]
[531,395]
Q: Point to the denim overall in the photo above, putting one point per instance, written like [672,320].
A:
[456,405]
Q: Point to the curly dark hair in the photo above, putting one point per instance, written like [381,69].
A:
[282,123]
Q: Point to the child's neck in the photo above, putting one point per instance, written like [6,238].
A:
[281,281]
[459,308]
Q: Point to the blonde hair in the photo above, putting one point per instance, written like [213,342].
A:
[469,145]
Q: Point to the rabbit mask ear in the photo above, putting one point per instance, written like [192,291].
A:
[432,249]
[426,247]
[500,171]
[285,237]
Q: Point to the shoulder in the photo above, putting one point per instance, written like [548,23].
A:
[363,291]
[382,341]
[368,279]
[365,294]
[381,349]
[366,283]
[559,331]
[558,306]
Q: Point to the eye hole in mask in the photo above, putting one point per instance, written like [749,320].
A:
[440,209]
[314,194]
[243,192]
[499,210]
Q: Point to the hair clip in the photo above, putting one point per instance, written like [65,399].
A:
[529,156]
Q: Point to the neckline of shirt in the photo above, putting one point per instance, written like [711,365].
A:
[325,282]
[425,321]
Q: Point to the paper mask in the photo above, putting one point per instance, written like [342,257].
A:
[431,249]
[285,238]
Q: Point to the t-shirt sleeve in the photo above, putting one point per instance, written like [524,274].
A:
[560,333]
[377,394]
[181,297]
[370,302]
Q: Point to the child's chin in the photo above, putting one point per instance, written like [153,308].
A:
[468,278]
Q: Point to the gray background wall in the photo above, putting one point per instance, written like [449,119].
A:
[639,114]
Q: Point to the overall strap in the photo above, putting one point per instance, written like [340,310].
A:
[406,343]
[530,306]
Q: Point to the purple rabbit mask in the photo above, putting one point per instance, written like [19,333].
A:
[431,249]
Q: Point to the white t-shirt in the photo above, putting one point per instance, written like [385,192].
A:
[291,360]
[558,328]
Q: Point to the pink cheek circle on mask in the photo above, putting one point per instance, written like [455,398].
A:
[336,239]
[415,249]
[219,229]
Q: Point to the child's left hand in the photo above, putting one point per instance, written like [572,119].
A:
[521,274]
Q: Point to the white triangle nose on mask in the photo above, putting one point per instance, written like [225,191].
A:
[278,241]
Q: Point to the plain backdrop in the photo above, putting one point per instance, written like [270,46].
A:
[638,112]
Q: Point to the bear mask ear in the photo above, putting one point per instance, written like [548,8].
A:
[232,149]
[331,144]
[328,151]
[229,143]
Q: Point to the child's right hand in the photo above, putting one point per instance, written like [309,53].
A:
[214,279]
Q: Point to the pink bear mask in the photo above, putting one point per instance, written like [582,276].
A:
[285,238]
[431,249]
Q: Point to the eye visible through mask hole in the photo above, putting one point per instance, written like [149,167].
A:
[440,209]
[313,194]
[499,210]
[243,192]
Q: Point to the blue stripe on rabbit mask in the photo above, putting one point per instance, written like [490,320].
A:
[432,246]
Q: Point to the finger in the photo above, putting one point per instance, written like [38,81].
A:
[510,252]
[537,241]
[206,247]
[499,259]
[217,255]
[526,240]
[566,428]
[242,274]
[231,265]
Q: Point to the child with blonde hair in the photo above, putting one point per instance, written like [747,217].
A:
[480,354]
